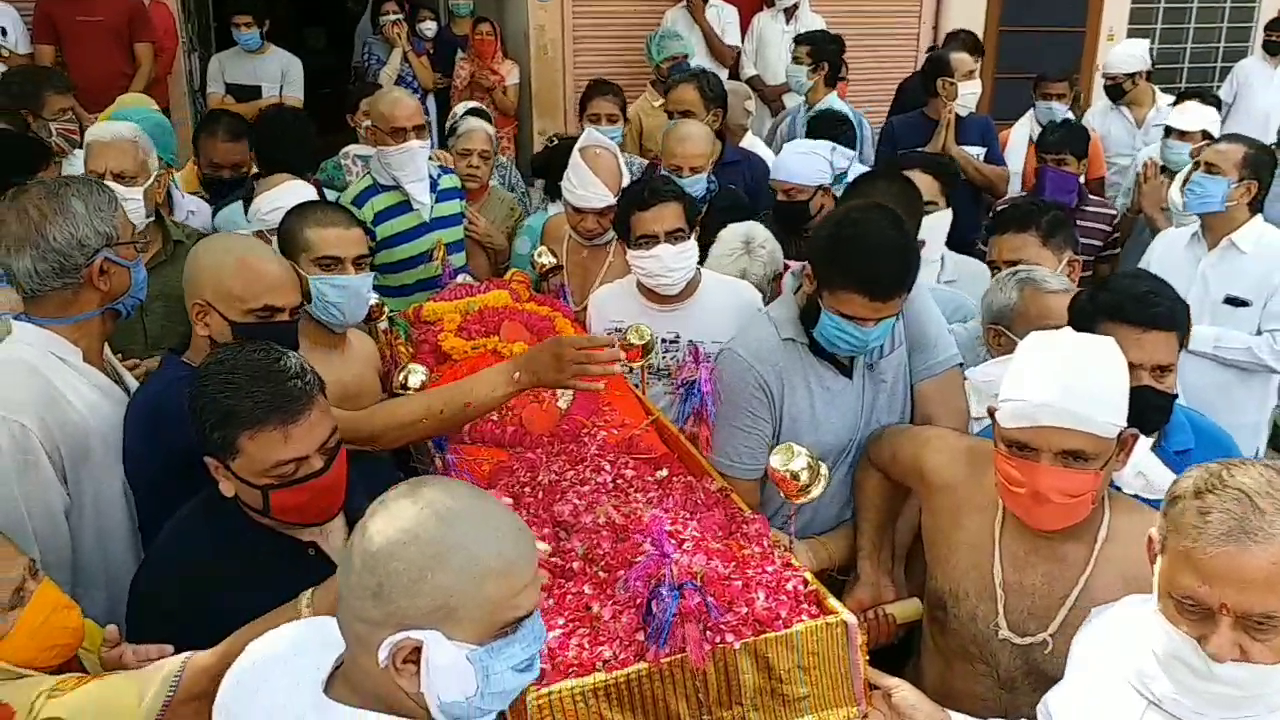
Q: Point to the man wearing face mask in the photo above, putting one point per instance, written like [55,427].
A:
[1063,542]
[438,619]
[1054,94]
[1151,323]
[1249,93]
[1062,159]
[937,176]
[817,75]
[1031,231]
[1231,368]
[44,96]
[688,154]
[256,73]
[277,513]
[416,207]
[121,155]
[1132,113]
[668,53]
[856,337]
[949,125]
[807,178]
[766,51]
[692,311]
[275,196]
[223,159]
[71,253]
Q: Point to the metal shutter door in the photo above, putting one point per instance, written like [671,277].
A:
[26,7]
[605,38]
[883,47]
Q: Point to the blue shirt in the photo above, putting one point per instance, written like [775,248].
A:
[748,172]
[975,134]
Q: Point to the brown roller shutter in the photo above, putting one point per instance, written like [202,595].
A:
[26,7]
[605,38]
[883,42]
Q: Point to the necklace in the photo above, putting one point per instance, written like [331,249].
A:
[568,286]
[1001,625]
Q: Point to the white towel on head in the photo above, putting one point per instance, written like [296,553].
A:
[1131,55]
[268,209]
[580,187]
[814,163]
[1044,387]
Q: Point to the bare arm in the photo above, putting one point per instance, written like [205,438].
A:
[747,490]
[506,99]
[723,52]
[248,109]
[940,401]
[991,179]
[422,70]
[144,57]
[832,550]
[46,55]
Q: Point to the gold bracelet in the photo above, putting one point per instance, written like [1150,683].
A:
[831,552]
[306,603]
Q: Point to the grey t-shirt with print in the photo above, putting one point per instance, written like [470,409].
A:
[247,76]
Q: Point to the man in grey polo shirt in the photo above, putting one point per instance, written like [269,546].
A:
[855,350]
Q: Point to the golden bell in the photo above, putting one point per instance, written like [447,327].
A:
[799,476]
[545,262]
[410,378]
[377,311]
[637,345]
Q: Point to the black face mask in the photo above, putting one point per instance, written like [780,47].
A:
[1271,47]
[1150,408]
[281,332]
[1117,91]
[221,191]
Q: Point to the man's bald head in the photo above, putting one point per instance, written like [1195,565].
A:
[395,114]
[688,147]
[604,165]
[439,554]
[232,278]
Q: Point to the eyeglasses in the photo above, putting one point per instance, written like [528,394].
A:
[141,247]
[649,241]
[403,135]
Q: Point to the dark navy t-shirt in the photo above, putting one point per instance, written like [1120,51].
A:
[976,134]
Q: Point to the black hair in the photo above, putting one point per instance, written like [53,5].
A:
[824,47]
[286,141]
[1272,26]
[889,187]
[358,93]
[1035,216]
[879,261]
[726,207]
[479,20]
[831,124]
[599,88]
[291,236]
[1258,164]
[415,7]
[255,9]
[14,120]
[1138,298]
[942,168]
[966,40]
[27,87]
[221,124]
[22,158]
[1053,77]
[1064,137]
[710,88]
[250,387]
[937,65]
[1204,96]
[375,10]
[647,193]
[550,163]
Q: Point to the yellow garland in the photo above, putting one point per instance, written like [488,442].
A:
[450,315]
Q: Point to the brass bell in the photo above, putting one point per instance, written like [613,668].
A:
[410,378]
[545,262]
[637,345]
[799,476]
[377,311]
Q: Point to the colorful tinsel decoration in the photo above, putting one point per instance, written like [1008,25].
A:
[696,398]
[446,267]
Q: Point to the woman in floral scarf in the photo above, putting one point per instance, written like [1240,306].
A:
[488,77]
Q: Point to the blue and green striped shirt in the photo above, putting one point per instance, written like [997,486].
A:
[406,260]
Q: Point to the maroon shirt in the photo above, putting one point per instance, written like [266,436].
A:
[1097,225]
[95,39]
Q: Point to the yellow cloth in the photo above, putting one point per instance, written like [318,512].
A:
[646,121]
[129,100]
[189,179]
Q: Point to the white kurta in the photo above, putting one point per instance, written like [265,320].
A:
[63,495]
[723,19]
[1121,137]
[766,52]
[1251,99]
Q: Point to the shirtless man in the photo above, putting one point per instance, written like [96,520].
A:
[1000,615]
[583,235]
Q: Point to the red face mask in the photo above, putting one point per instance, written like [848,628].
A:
[1046,498]
[485,48]
[309,501]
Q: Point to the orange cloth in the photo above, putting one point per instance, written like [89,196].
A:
[1097,169]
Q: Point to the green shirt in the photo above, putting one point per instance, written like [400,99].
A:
[161,323]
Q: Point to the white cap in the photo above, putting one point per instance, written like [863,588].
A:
[1193,116]
[1131,55]
[1065,379]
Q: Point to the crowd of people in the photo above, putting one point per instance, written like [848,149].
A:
[210,504]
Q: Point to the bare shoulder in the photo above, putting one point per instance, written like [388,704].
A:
[937,456]
[364,350]
[1131,521]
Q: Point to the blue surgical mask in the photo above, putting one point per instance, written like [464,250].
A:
[1206,194]
[462,8]
[126,305]
[695,185]
[1049,111]
[1175,154]
[613,132]
[847,339]
[248,40]
[678,68]
[503,669]
[340,302]
[798,80]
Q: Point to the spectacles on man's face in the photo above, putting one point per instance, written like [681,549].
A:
[403,135]
[646,242]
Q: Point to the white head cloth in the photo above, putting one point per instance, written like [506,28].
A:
[1131,55]
[447,674]
[266,210]
[580,187]
[814,163]
[1193,116]
[1044,387]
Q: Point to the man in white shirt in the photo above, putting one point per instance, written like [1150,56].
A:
[743,109]
[1251,93]
[1196,647]
[766,53]
[690,310]
[256,73]
[713,28]
[438,618]
[937,177]
[1132,113]
[1227,267]
[15,39]
[71,251]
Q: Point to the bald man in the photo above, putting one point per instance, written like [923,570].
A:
[737,122]
[437,569]
[415,206]
[689,151]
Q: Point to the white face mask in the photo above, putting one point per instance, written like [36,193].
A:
[406,162]
[665,268]
[785,4]
[933,233]
[968,93]
[134,202]
[427,29]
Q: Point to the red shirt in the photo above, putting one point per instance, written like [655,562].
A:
[166,26]
[96,39]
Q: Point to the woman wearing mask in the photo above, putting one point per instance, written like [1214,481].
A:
[452,41]
[602,106]
[398,54]
[492,214]
[485,75]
